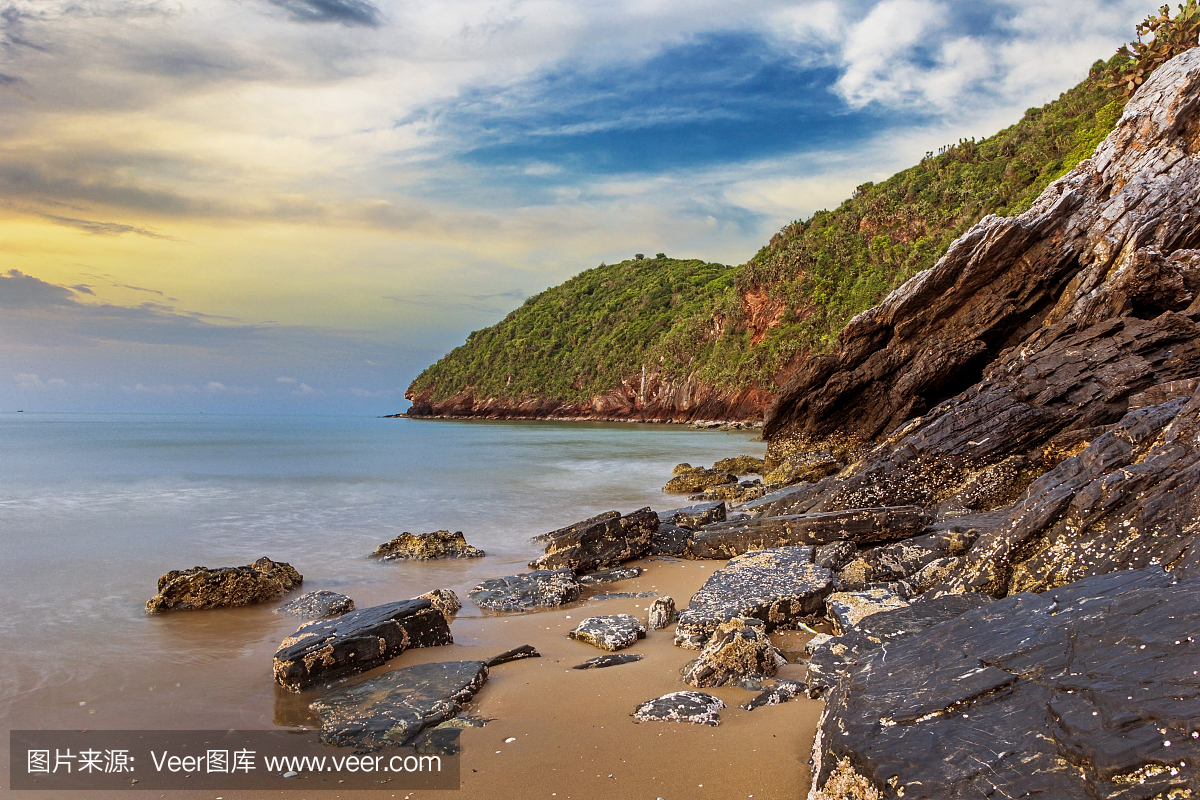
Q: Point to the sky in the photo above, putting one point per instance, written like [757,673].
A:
[294,206]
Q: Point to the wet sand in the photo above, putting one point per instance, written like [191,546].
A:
[574,734]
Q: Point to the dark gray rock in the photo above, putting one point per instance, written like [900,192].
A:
[516,654]
[602,541]
[833,657]
[325,650]
[437,741]
[316,605]
[671,540]
[835,555]
[901,560]
[847,609]
[540,588]
[610,632]
[426,547]
[861,525]
[697,708]
[662,613]
[737,648]
[781,692]
[1088,690]
[779,586]
[391,709]
[696,516]
[201,587]
[610,575]
[610,660]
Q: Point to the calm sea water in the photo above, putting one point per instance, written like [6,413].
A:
[93,508]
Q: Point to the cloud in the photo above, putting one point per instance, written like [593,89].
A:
[27,380]
[160,389]
[216,387]
[345,12]
[285,380]
[304,389]
[103,228]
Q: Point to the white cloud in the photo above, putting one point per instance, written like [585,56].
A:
[161,389]
[29,380]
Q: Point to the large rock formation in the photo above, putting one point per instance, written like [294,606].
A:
[1086,691]
[602,541]
[734,537]
[325,650]
[201,587]
[1039,384]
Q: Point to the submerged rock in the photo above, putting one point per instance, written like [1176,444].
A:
[318,604]
[1087,690]
[393,708]
[427,546]
[201,587]
[738,648]
[697,481]
[778,586]
[847,609]
[444,600]
[610,575]
[697,708]
[611,632]
[610,660]
[602,541]
[662,613]
[540,588]
[730,538]
[324,650]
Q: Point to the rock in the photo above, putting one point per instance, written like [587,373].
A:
[1087,690]
[835,555]
[742,492]
[603,541]
[621,595]
[318,604]
[802,467]
[611,632]
[684,468]
[904,559]
[730,538]
[737,648]
[815,643]
[942,570]
[834,656]
[444,600]
[696,516]
[201,587]
[325,650]
[781,692]
[392,708]
[779,586]
[695,707]
[847,609]
[437,741]
[698,481]
[672,540]
[662,613]
[427,546]
[610,660]
[527,590]
[611,575]
[516,654]
[740,465]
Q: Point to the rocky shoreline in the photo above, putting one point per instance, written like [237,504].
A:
[981,511]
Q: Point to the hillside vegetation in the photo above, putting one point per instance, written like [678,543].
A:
[732,328]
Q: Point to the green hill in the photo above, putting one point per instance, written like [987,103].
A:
[736,328]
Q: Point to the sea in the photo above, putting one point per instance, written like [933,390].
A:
[95,507]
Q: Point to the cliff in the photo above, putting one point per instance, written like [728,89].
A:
[664,338]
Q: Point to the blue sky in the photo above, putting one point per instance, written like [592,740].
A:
[295,205]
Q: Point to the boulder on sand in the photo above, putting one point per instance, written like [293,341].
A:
[779,586]
[611,632]
[540,588]
[391,709]
[325,650]
[316,605]
[738,648]
[426,547]
[697,708]
[201,587]
[444,600]
[602,541]
[662,613]
[610,575]
[610,660]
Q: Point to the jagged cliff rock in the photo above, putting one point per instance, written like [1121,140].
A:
[1037,391]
